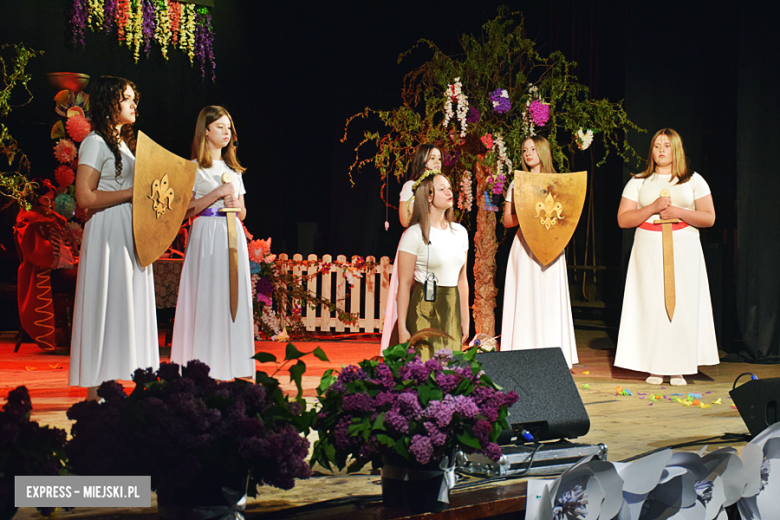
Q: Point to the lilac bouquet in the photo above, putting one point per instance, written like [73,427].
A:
[189,431]
[403,409]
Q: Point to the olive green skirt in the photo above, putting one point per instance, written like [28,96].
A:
[442,314]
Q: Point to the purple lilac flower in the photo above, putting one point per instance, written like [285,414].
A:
[463,405]
[421,448]
[500,100]
[336,388]
[443,356]
[447,382]
[416,370]
[441,412]
[473,116]
[482,430]
[204,42]
[433,366]
[358,403]
[492,451]
[18,404]
[570,505]
[397,422]
[384,398]
[352,373]
[450,158]
[438,438]
[341,433]
[384,376]
[408,404]
[540,112]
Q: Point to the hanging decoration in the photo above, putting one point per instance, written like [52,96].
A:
[138,24]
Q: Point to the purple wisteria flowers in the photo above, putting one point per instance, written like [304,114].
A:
[404,411]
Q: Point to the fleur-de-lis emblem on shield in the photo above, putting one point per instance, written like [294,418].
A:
[549,211]
[162,195]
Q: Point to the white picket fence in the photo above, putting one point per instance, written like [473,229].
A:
[362,297]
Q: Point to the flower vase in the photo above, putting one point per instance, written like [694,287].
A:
[205,499]
[418,488]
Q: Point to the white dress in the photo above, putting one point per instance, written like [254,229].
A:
[647,340]
[114,317]
[391,311]
[537,305]
[204,328]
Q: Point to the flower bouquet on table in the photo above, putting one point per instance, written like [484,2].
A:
[410,417]
[201,440]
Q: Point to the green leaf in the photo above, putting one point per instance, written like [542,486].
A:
[291,353]
[356,465]
[296,374]
[469,440]
[379,423]
[385,439]
[401,448]
[424,393]
[267,381]
[264,357]
[320,354]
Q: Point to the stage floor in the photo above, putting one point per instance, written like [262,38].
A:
[628,425]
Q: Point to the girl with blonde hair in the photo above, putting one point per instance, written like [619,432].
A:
[648,341]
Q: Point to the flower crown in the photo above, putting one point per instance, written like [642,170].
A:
[425,175]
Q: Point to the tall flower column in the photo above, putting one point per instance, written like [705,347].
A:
[485,248]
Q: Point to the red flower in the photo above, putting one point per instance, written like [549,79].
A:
[65,151]
[64,175]
[78,127]
[487,140]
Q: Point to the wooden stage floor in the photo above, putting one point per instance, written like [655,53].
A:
[628,425]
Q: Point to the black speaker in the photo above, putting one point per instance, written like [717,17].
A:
[756,401]
[549,406]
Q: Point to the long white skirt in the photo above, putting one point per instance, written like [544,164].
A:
[537,306]
[648,341]
[114,317]
[204,328]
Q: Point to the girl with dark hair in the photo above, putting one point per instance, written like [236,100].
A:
[114,317]
[433,249]
[204,328]
[426,157]
[537,308]
[648,340]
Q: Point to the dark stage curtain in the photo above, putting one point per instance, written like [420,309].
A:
[758,186]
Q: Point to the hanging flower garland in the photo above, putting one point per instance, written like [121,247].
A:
[140,23]
[455,93]
[584,139]
[465,198]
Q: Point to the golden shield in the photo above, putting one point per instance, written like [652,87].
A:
[161,193]
[548,207]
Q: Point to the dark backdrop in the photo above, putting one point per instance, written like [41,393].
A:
[291,73]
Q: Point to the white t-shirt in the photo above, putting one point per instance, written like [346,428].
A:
[209,179]
[406,191]
[445,256]
[645,191]
[94,152]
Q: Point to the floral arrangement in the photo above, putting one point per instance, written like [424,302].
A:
[26,448]
[503,87]
[15,186]
[69,132]
[188,431]
[274,281]
[407,410]
[139,23]
[584,139]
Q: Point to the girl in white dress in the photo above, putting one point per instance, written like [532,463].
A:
[537,306]
[426,157]
[433,246]
[648,341]
[114,317]
[204,328]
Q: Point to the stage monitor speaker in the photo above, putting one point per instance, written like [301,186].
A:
[756,401]
[550,406]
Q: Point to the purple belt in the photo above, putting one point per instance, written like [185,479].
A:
[210,212]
